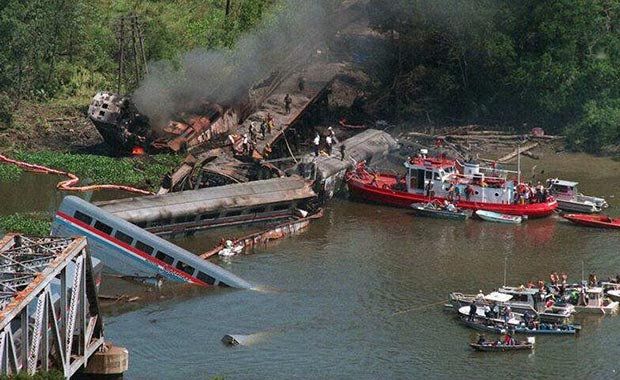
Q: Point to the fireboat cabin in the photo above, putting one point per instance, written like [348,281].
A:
[468,185]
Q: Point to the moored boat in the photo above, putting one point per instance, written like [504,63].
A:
[570,199]
[592,300]
[600,221]
[501,347]
[437,210]
[468,185]
[496,217]
[611,290]
[498,327]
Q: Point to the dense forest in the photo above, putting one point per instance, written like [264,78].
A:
[60,53]
[552,64]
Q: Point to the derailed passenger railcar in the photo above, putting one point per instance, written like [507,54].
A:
[270,200]
[128,249]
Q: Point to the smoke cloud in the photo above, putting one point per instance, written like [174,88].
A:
[223,75]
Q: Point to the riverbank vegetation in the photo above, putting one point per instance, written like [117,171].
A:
[31,224]
[60,53]
[143,172]
[520,64]
[524,63]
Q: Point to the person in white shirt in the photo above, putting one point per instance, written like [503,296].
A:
[317,141]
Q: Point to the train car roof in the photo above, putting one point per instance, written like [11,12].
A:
[221,274]
[255,193]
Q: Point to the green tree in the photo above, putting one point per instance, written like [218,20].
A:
[551,64]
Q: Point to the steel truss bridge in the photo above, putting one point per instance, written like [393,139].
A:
[49,312]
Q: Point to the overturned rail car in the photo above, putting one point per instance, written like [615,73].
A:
[130,250]
[371,145]
[125,129]
[188,211]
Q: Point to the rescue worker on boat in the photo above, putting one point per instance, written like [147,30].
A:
[472,310]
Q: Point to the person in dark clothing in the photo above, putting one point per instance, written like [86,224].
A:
[342,148]
[166,182]
[301,83]
[472,310]
[287,103]
[263,129]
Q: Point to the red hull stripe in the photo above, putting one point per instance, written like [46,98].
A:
[404,199]
[113,241]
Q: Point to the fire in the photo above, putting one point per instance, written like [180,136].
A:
[137,151]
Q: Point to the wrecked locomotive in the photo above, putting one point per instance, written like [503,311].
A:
[126,130]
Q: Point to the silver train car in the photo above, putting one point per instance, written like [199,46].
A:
[189,211]
[130,250]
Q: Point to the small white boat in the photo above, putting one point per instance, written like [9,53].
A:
[570,199]
[592,300]
[498,218]
[611,290]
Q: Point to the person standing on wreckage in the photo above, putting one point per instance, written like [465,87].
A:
[317,142]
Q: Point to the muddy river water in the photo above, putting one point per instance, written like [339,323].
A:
[359,294]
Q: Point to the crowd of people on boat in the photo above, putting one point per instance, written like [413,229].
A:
[526,193]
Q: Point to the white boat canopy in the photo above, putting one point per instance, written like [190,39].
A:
[498,297]
[562,182]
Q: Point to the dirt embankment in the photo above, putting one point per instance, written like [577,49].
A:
[51,127]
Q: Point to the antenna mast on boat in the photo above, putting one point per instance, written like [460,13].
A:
[505,265]
[582,274]
[519,162]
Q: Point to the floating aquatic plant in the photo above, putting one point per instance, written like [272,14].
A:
[30,224]
[144,172]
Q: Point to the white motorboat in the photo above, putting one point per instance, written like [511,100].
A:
[491,216]
[570,199]
[592,300]
[519,299]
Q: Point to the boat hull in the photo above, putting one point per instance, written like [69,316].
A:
[361,189]
[421,210]
[544,328]
[500,347]
[491,216]
[598,221]
[609,309]
[569,205]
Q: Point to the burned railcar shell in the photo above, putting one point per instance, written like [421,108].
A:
[185,212]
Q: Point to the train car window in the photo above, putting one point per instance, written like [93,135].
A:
[165,258]
[103,227]
[83,217]
[281,207]
[184,219]
[257,210]
[144,247]
[185,268]
[234,213]
[205,278]
[211,215]
[140,224]
[123,237]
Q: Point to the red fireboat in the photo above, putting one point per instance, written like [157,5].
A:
[467,185]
